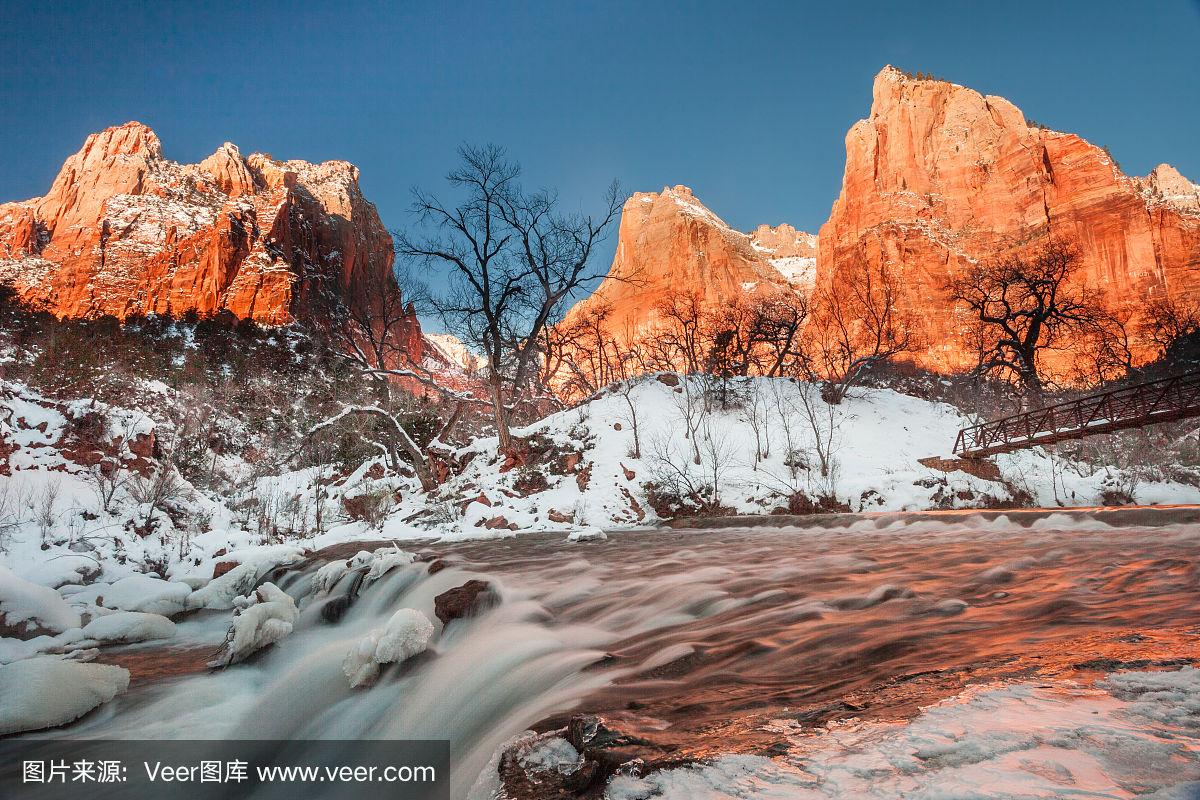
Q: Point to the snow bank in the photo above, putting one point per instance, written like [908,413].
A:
[757,454]
[27,607]
[44,692]
[128,626]
[262,619]
[405,635]
[145,593]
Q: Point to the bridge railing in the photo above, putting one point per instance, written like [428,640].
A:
[1128,407]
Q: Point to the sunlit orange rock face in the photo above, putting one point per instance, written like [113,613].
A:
[669,242]
[124,231]
[939,175]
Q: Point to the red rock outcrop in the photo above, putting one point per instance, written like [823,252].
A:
[939,175]
[124,231]
[670,242]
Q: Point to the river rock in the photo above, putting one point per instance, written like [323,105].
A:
[464,601]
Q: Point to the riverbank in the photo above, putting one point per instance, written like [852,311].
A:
[1112,516]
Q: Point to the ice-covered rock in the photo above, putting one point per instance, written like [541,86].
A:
[384,561]
[221,592]
[129,626]
[28,609]
[587,534]
[543,765]
[328,575]
[145,593]
[44,692]
[405,635]
[552,754]
[262,619]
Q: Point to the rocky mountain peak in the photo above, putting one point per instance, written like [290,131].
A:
[1167,185]
[670,242]
[939,176]
[230,172]
[124,231]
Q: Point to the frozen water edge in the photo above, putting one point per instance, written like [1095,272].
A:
[1137,734]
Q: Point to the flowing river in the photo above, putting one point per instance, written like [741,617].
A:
[703,645]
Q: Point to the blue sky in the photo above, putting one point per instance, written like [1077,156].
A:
[746,102]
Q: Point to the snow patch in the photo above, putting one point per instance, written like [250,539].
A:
[796,270]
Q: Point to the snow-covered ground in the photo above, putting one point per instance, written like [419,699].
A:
[753,456]
[70,514]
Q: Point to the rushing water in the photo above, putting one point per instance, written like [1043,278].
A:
[696,640]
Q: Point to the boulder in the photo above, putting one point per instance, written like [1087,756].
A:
[464,601]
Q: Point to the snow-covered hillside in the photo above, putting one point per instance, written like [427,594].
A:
[762,453]
[82,492]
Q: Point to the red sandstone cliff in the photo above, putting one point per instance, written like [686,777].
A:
[124,231]
[669,242]
[939,175]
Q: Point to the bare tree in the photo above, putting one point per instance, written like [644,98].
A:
[156,492]
[46,511]
[691,403]
[680,341]
[627,390]
[782,317]
[375,326]
[1024,304]
[784,416]
[756,413]
[373,323]
[824,421]
[107,478]
[514,261]
[697,482]
[581,355]
[858,324]
[398,445]
[1167,322]
[1103,350]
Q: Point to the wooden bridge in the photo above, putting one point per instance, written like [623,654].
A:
[1117,409]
